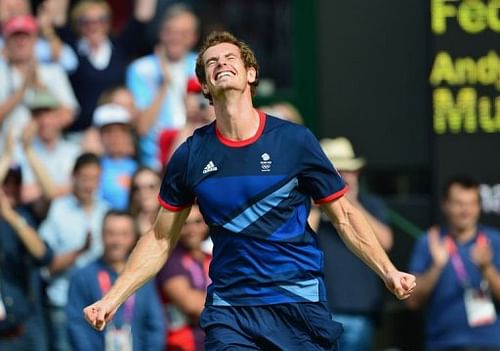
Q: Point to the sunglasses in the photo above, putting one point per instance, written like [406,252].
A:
[150,186]
[84,20]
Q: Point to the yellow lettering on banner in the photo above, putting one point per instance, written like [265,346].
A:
[440,11]
[466,70]
[472,16]
[488,69]
[489,123]
[443,70]
[455,117]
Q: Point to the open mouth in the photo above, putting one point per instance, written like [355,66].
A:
[223,74]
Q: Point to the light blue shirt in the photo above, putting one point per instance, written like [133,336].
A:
[43,53]
[116,176]
[143,79]
[64,230]
[58,161]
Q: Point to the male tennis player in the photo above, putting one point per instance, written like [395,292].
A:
[253,176]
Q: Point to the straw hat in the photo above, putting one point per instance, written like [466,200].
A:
[341,154]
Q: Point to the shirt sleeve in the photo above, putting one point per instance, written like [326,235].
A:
[139,83]
[319,178]
[420,258]
[175,192]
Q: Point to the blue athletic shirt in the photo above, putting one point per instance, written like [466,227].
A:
[255,195]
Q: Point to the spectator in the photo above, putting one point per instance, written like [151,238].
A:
[46,153]
[119,95]
[102,60]
[158,81]
[138,325]
[458,281]
[117,163]
[354,291]
[21,323]
[48,48]
[198,113]
[286,111]
[183,283]
[73,231]
[20,75]
[143,203]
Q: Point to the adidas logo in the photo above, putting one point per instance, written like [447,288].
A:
[210,167]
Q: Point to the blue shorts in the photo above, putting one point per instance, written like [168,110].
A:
[291,326]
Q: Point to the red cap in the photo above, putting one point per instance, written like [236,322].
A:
[193,86]
[24,24]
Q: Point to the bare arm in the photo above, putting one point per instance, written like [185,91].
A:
[428,280]
[180,292]
[39,170]
[382,231]
[148,116]
[24,231]
[147,258]
[66,260]
[359,237]
[7,155]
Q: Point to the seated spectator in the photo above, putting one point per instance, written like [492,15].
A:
[102,60]
[48,48]
[21,75]
[117,163]
[21,250]
[73,231]
[45,152]
[138,324]
[143,203]
[355,294]
[198,113]
[158,81]
[183,283]
[458,281]
[118,95]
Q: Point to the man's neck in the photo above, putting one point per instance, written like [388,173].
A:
[236,117]
[463,235]
[50,144]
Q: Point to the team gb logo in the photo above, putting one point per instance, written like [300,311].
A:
[265,164]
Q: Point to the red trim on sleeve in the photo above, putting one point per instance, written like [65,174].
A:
[332,197]
[171,207]
[240,143]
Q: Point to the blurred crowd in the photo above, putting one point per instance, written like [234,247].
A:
[90,114]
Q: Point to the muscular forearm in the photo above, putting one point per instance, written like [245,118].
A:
[492,276]
[149,115]
[146,260]
[425,285]
[359,237]
[382,231]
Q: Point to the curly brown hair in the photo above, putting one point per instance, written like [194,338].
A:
[247,55]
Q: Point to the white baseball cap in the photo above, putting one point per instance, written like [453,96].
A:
[110,114]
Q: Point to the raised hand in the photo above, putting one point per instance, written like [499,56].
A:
[164,64]
[438,247]
[400,284]
[481,253]
[28,135]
